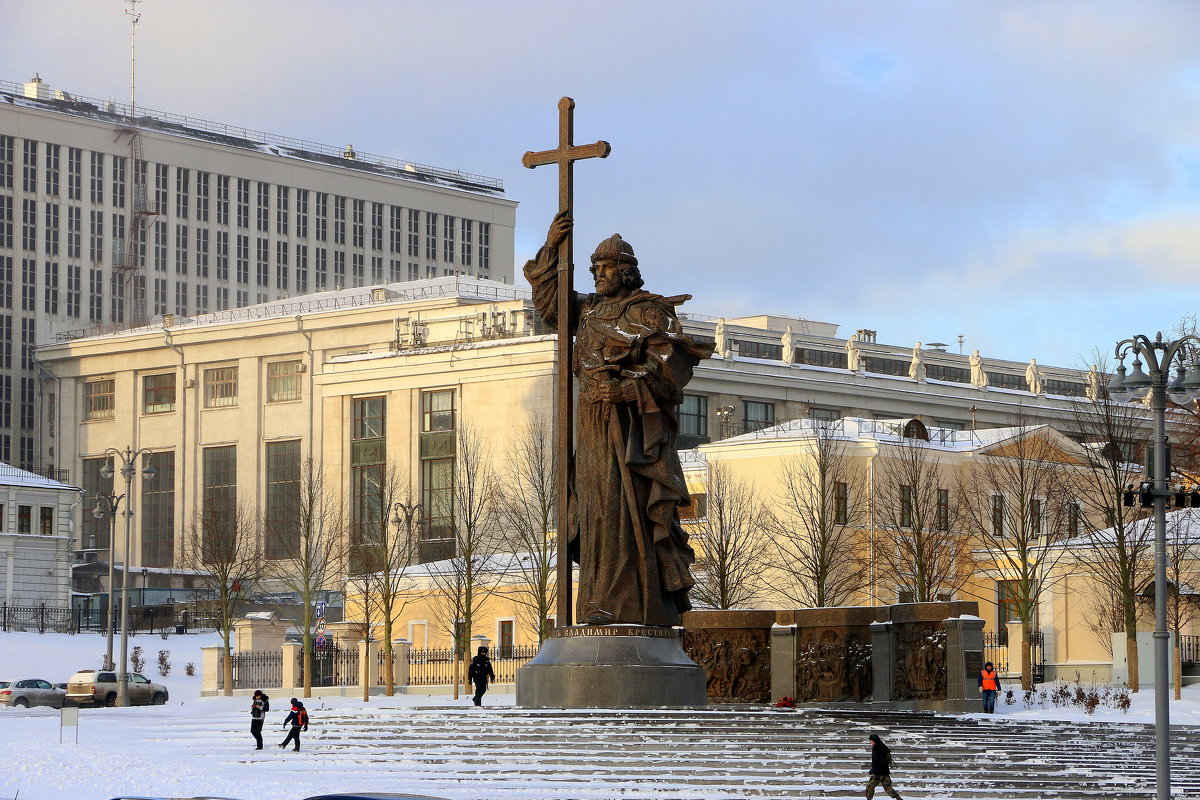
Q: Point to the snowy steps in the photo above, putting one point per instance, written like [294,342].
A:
[732,753]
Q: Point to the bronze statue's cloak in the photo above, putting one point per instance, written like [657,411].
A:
[633,555]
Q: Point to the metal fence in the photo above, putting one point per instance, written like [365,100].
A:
[331,666]
[431,666]
[255,670]
[507,660]
[436,666]
[996,649]
[1189,649]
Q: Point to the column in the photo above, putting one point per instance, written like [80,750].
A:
[783,661]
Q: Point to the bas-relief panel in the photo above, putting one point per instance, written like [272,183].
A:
[738,661]
[919,671]
[833,665]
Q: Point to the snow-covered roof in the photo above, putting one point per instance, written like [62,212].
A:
[449,287]
[887,430]
[15,476]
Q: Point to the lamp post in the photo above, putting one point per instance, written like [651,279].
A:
[725,412]
[407,514]
[1159,355]
[106,506]
[127,456]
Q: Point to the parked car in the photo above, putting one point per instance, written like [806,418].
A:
[99,688]
[30,692]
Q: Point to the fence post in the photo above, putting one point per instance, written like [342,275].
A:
[368,662]
[211,675]
[291,658]
[5,615]
[400,668]
[42,618]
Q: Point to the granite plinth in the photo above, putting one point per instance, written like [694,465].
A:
[611,667]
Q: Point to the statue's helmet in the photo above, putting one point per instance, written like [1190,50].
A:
[616,249]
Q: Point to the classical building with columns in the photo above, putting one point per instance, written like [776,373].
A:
[359,378]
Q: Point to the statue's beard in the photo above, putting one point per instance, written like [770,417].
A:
[608,288]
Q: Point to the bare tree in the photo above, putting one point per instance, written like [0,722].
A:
[304,532]
[1183,576]
[816,531]
[526,508]
[729,540]
[222,546]
[916,517]
[1121,559]
[464,581]
[1016,504]
[383,545]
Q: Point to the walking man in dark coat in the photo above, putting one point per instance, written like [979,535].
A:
[480,673]
[881,768]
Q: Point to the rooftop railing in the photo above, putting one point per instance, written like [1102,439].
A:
[121,112]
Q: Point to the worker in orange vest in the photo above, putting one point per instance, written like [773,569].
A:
[989,686]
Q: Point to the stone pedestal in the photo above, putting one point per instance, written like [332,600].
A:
[600,666]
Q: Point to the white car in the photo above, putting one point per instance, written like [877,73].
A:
[30,692]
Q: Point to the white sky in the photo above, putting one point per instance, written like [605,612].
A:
[1026,174]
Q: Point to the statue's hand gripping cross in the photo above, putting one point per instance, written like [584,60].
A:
[565,155]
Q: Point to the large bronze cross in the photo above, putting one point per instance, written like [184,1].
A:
[565,156]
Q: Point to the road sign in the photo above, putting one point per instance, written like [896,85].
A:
[320,641]
[320,609]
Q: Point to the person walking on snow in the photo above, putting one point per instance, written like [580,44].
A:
[989,686]
[479,673]
[259,707]
[297,719]
[881,768]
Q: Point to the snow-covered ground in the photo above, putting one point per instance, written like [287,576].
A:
[196,745]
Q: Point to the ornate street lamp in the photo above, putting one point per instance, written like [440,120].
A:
[1137,385]
[106,506]
[127,456]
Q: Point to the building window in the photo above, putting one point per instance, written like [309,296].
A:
[358,210]
[1008,602]
[906,506]
[283,499]
[693,416]
[283,381]
[158,393]
[448,239]
[368,457]
[467,245]
[504,638]
[414,233]
[339,220]
[942,512]
[1036,516]
[158,511]
[824,414]
[437,452]
[46,521]
[998,515]
[220,491]
[24,519]
[485,249]
[841,503]
[1074,518]
[98,399]
[757,415]
[94,535]
[220,387]
[431,236]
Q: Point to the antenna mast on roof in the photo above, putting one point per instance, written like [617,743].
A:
[129,278]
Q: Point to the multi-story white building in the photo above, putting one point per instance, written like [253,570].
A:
[109,217]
